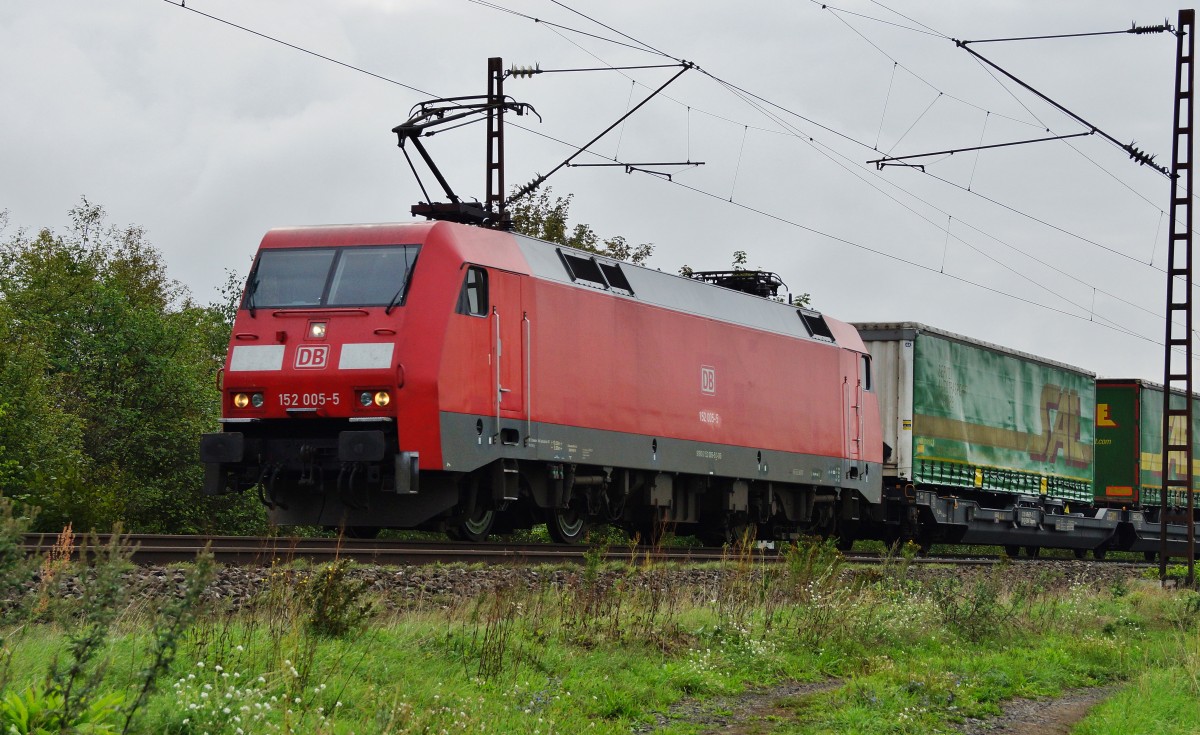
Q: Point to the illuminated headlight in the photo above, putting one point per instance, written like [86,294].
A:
[245,400]
[378,398]
[316,330]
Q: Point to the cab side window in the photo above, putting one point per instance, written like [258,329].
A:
[473,299]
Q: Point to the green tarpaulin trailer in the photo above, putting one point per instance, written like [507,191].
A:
[987,445]
[962,413]
[1129,426]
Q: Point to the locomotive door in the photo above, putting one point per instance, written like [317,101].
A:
[509,350]
[854,368]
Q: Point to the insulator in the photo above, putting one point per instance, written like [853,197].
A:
[1151,29]
[525,71]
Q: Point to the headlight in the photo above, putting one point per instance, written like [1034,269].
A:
[379,398]
[246,400]
[316,330]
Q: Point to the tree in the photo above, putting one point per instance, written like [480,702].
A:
[109,372]
[541,218]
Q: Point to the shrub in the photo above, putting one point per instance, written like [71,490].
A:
[41,710]
[335,599]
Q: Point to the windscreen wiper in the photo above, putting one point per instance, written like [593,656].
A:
[250,289]
[395,299]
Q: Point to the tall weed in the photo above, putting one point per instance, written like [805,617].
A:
[978,609]
[336,604]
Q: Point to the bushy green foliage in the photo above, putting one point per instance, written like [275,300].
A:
[115,368]
[14,565]
[336,600]
[977,609]
[81,691]
[537,216]
[38,710]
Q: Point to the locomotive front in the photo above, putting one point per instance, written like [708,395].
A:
[310,388]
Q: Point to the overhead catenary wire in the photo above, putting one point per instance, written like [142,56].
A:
[1042,125]
[1038,122]
[910,20]
[537,181]
[738,167]
[921,266]
[182,5]
[855,172]
[1140,156]
[905,68]
[886,98]
[1134,30]
[978,151]
[751,95]
[707,73]
[827,6]
[549,24]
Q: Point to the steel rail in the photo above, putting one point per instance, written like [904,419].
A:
[148,549]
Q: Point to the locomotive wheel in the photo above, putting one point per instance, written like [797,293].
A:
[566,525]
[1033,551]
[1080,553]
[1099,554]
[361,532]
[476,528]
[1012,552]
[1150,555]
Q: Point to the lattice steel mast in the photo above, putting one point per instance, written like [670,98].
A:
[1177,364]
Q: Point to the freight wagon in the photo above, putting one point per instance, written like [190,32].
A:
[1129,477]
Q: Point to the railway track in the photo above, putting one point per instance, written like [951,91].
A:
[151,549]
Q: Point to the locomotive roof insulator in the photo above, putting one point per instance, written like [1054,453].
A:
[756,283]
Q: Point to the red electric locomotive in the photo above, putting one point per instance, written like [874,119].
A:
[437,375]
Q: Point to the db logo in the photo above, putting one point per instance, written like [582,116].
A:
[312,357]
[708,380]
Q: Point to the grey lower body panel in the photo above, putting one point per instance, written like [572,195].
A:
[470,442]
[340,474]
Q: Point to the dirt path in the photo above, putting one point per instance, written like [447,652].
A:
[749,713]
[756,711]
[1041,716]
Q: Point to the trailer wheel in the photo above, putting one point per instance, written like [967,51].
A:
[566,525]
[1012,552]
[1033,551]
[1081,553]
[1150,555]
[1099,554]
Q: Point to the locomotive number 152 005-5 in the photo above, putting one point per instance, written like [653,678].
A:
[308,400]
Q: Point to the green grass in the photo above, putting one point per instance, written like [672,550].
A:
[1164,695]
[624,644]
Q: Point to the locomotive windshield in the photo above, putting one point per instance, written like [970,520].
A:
[330,277]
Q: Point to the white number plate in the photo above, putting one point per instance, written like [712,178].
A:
[308,400]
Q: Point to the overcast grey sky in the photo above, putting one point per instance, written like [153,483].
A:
[208,136]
